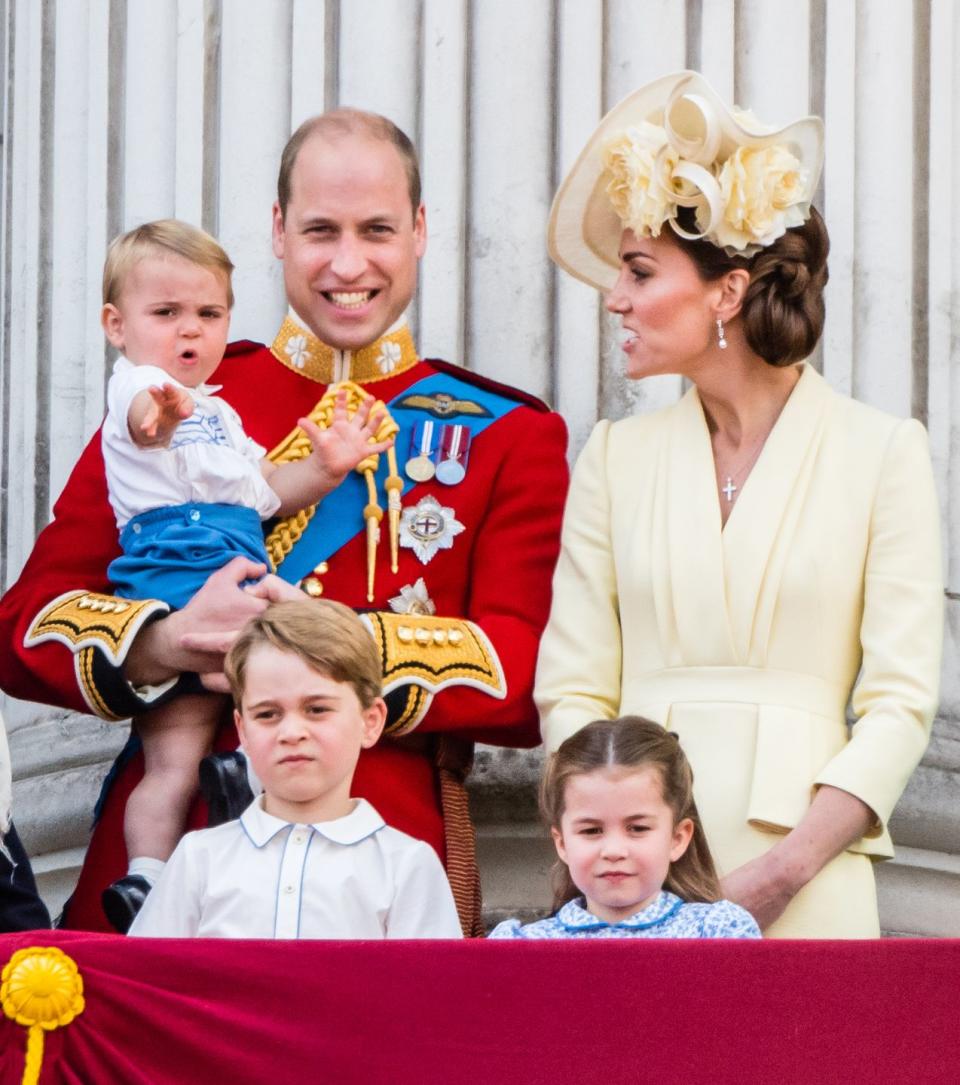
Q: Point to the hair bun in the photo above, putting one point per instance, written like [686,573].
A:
[783,310]
[793,278]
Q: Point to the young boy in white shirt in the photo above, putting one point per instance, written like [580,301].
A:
[304,860]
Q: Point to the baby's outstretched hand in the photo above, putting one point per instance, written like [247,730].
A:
[346,441]
[169,405]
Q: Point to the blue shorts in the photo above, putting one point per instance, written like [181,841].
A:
[168,553]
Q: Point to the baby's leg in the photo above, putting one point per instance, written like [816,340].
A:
[175,737]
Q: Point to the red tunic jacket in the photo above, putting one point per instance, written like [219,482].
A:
[496,574]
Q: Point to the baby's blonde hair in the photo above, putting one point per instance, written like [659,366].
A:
[155,239]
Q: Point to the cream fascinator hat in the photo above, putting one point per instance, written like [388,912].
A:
[674,144]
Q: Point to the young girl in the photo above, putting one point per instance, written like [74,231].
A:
[634,861]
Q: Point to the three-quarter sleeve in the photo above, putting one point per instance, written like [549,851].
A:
[895,698]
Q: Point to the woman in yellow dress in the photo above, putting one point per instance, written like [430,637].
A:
[738,565]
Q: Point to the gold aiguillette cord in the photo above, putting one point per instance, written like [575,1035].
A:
[367,467]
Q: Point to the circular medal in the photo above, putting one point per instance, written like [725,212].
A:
[450,472]
[420,468]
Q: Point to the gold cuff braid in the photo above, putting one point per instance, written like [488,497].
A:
[88,619]
[430,654]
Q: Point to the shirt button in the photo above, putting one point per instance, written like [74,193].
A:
[298,838]
[195,514]
[137,529]
[288,889]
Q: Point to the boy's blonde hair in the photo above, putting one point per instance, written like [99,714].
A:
[327,636]
[155,239]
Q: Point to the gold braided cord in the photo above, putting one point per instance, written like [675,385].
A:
[287,534]
[296,446]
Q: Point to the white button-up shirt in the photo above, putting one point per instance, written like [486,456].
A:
[262,877]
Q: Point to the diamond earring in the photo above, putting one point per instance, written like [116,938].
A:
[721,338]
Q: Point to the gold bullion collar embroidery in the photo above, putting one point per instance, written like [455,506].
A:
[300,350]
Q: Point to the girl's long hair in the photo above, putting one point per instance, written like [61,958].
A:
[632,742]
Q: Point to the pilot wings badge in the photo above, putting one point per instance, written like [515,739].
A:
[443,405]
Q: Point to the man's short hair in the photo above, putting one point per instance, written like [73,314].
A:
[349,122]
[327,636]
[155,239]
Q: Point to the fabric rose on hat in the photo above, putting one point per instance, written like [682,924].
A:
[640,163]
[762,192]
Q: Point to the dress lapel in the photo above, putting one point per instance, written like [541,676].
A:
[758,533]
[693,552]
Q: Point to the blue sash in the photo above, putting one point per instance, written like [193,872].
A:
[339,516]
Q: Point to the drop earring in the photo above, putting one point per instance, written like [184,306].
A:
[721,338]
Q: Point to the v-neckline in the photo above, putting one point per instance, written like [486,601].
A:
[724,577]
[760,455]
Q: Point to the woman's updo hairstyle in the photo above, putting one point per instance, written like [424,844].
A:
[783,309]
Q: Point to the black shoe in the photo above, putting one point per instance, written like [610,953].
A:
[122,900]
[225,786]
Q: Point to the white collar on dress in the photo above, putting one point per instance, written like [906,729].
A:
[362,821]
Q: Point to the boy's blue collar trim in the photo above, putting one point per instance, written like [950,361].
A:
[362,821]
[573,916]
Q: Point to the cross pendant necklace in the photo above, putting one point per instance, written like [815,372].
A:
[731,486]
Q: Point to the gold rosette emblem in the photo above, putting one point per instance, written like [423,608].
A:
[41,989]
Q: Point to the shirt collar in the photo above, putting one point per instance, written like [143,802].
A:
[299,349]
[362,821]
[573,916]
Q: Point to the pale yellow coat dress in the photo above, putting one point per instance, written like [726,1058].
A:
[747,640]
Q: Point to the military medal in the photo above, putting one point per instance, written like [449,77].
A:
[423,448]
[454,452]
[429,527]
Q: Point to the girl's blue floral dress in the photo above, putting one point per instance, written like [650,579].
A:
[666,917]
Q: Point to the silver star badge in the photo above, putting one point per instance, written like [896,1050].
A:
[428,527]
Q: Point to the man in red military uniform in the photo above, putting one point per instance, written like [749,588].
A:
[456,573]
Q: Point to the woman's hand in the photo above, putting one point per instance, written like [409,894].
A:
[761,888]
[767,884]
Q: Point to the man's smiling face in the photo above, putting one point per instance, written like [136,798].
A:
[349,240]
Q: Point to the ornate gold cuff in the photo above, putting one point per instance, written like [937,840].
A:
[87,619]
[98,630]
[430,654]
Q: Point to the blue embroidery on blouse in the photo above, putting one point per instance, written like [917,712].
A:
[200,429]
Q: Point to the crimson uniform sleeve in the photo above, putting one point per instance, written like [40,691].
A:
[512,564]
[65,636]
